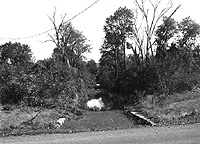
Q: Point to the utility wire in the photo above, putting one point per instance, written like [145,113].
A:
[28,37]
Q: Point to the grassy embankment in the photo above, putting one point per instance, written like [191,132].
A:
[176,109]
[183,108]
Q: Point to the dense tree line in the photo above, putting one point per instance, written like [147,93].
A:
[61,81]
[165,60]
[138,57]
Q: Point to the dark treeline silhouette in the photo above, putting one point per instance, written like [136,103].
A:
[164,60]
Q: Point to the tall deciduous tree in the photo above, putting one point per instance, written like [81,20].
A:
[118,29]
[70,43]
[147,14]
[163,34]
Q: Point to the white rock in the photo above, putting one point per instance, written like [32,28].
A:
[60,121]
[95,103]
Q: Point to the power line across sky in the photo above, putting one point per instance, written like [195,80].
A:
[26,21]
[44,32]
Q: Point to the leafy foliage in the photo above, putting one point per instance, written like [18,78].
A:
[92,67]
[15,54]
[15,60]
[70,43]
[11,84]
[118,27]
[177,68]
[47,83]
[189,30]
[172,67]
[56,87]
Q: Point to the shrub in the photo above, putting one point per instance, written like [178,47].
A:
[12,86]
[56,87]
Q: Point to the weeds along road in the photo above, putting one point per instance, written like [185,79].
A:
[188,134]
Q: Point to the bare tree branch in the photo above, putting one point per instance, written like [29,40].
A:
[143,33]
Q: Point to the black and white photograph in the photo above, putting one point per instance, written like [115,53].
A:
[99,72]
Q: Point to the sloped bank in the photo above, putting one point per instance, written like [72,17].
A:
[176,109]
[89,121]
[28,120]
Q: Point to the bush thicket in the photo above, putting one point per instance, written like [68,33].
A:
[46,83]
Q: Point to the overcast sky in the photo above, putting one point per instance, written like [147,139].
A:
[22,18]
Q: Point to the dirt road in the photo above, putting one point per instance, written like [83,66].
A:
[188,134]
